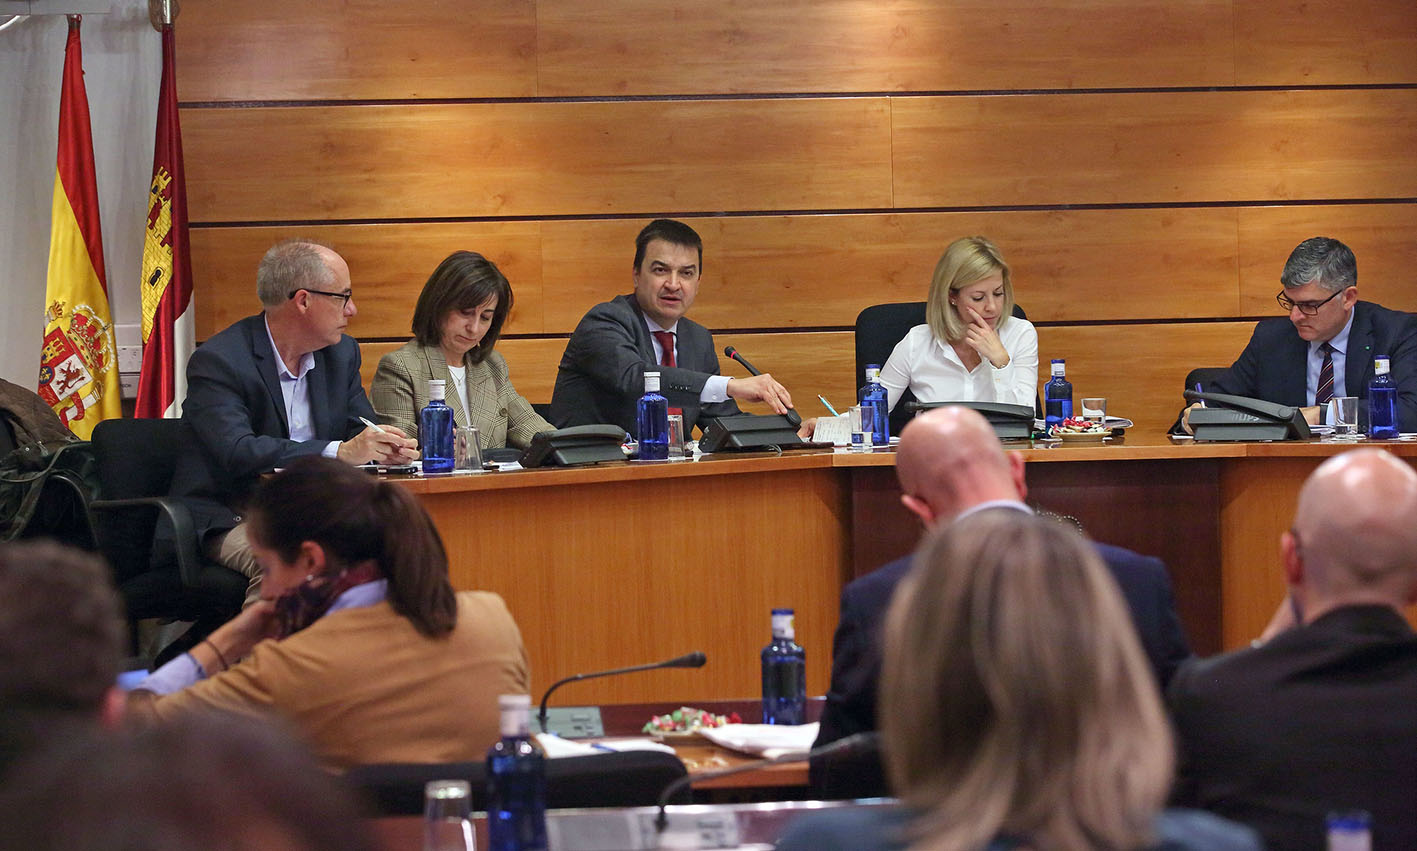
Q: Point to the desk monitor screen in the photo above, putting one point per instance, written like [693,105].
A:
[1227,417]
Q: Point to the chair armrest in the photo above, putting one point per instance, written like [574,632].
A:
[189,560]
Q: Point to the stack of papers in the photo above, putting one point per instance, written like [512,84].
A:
[556,747]
[765,740]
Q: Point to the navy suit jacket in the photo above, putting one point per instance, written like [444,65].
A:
[602,373]
[856,656]
[1321,718]
[1274,365]
[235,408]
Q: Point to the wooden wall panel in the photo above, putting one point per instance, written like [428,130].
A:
[1156,147]
[356,49]
[519,159]
[1325,42]
[878,45]
[1383,238]
[813,271]
[388,266]
[1141,368]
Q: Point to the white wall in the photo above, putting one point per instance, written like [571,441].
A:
[122,64]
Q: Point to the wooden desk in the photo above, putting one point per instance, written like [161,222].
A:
[625,563]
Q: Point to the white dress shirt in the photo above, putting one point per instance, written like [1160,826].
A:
[295,392]
[1340,365]
[715,388]
[934,373]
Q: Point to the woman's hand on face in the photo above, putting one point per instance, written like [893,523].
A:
[982,337]
[238,635]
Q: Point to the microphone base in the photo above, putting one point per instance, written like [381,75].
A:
[571,722]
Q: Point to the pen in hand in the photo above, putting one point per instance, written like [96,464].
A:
[381,431]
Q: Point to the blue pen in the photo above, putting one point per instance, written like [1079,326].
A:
[828,404]
[1199,390]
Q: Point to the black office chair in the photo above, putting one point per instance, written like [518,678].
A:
[1204,376]
[136,460]
[879,328]
[628,779]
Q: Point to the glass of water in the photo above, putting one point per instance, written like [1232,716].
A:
[447,816]
[1343,416]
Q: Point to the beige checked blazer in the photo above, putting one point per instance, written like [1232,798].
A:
[502,416]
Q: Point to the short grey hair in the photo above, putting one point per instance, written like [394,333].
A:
[290,265]
[1321,260]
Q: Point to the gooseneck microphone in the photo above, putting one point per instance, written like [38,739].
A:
[792,416]
[688,660]
[854,743]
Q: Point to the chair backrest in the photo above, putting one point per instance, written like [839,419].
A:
[1204,376]
[136,458]
[878,329]
[629,779]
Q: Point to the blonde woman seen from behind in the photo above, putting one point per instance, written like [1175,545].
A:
[1018,710]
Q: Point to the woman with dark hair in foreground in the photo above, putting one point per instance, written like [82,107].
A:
[1018,711]
[359,639]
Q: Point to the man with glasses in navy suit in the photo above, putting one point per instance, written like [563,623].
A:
[1326,347]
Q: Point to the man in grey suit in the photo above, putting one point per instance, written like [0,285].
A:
[601,375]
[271,388]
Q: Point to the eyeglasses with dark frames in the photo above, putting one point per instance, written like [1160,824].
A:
[1308,308]
[345,297]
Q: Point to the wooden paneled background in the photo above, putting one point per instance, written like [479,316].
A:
[1145,165]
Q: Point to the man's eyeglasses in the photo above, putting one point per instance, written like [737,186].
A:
[344,297]
[1308,308]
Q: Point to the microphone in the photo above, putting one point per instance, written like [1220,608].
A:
[792,416]
[855,743]
[688,660]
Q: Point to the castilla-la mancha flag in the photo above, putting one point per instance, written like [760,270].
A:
[168,332]
[78,369]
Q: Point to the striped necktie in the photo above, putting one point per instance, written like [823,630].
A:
[666,345]
[1325,391]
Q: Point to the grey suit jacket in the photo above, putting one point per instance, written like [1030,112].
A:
[503,418]
[601,375]
[236,410]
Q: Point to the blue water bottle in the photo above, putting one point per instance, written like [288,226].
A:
[875,400]
[652,419]
[784,674]
[435,430]
[1057,396]
[1382,401]
[516,782]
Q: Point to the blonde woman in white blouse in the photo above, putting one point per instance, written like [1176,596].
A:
[972,348]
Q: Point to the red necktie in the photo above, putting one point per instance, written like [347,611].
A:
[1325,391]
[666,345]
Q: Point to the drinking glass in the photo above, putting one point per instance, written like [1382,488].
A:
[447,816]
[676,435]
[1094,408]
[467,451]
[1343,416]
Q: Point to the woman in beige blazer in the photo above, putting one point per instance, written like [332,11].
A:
[359,640]
[456,323]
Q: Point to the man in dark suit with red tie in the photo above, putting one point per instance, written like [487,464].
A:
[950,465]
[1325,348]
[601,376]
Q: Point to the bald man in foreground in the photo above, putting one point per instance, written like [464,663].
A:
[1323,716]
[950,464]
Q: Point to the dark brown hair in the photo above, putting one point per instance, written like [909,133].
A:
[62,632]
[463,281]
[672,232]
[203,780]
[357,517]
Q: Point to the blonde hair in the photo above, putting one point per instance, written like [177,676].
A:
[1015,698]
[965,261]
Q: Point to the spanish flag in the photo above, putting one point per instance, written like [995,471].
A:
[78,370]
[168,333]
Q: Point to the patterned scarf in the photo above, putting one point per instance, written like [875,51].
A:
[305,603]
